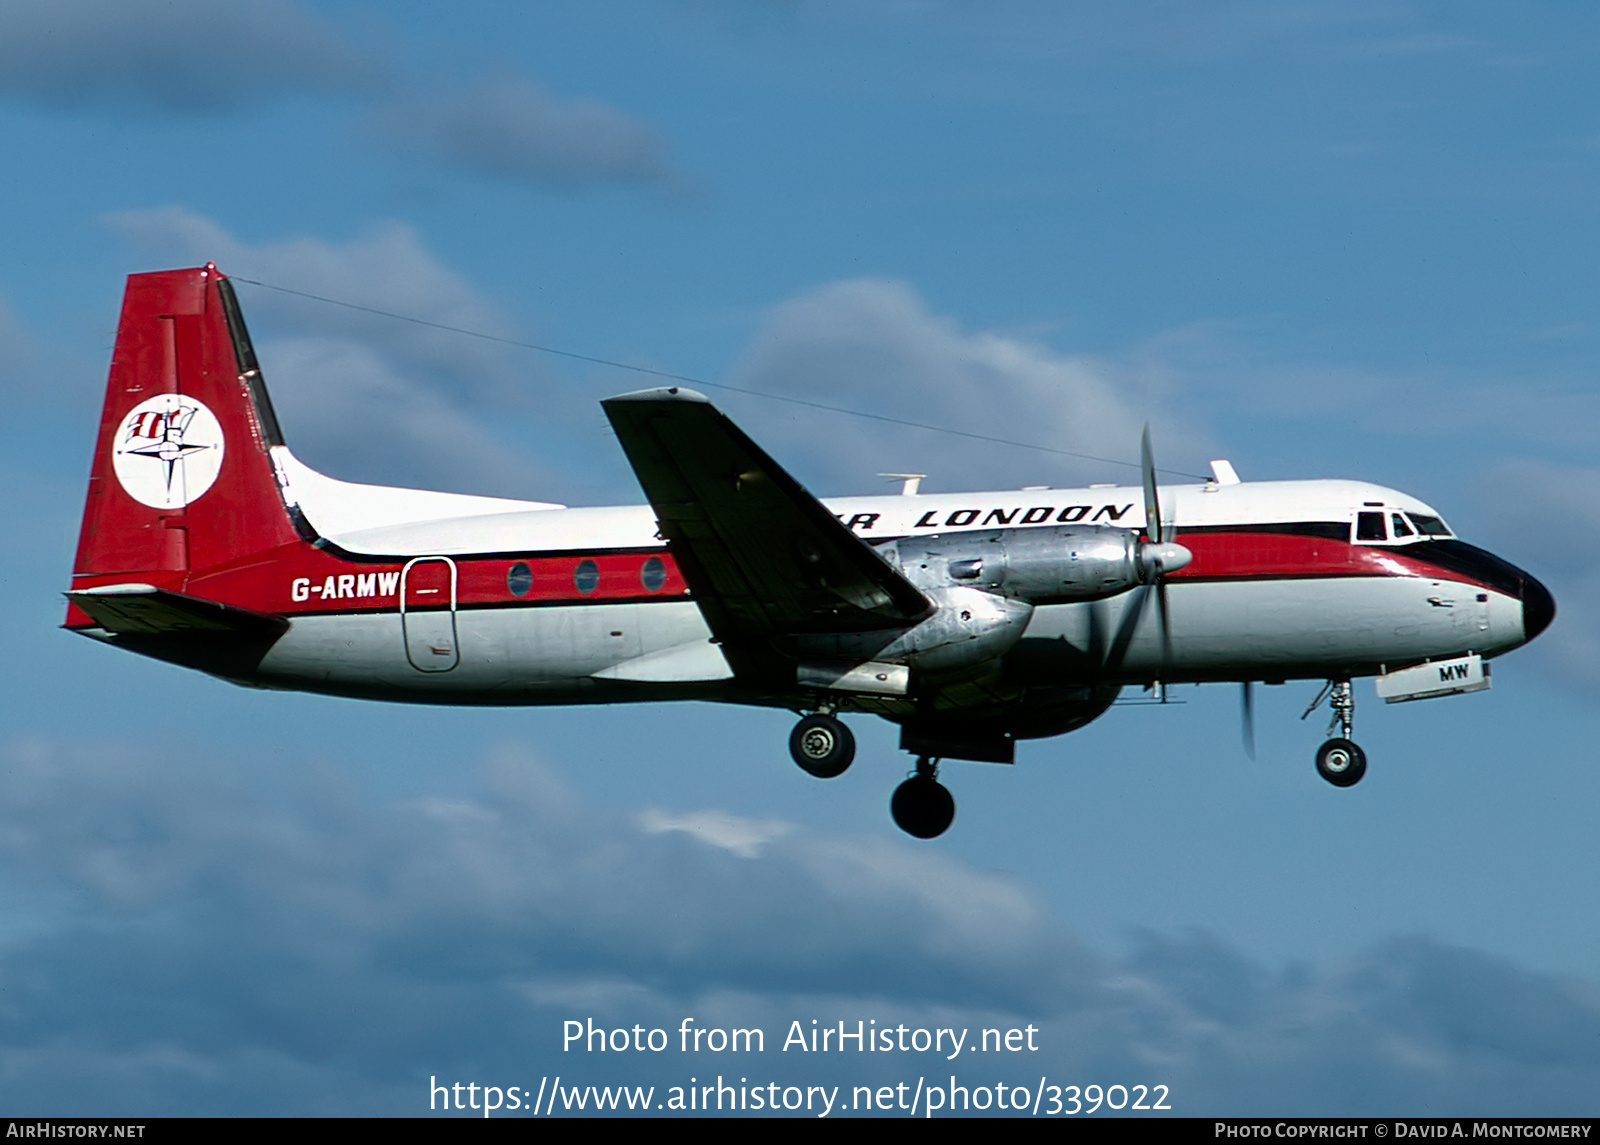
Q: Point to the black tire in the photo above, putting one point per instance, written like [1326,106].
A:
[822,746]
[1341,762]
[922,807]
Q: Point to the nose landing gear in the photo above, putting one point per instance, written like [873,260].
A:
[922,806]
[1340,761]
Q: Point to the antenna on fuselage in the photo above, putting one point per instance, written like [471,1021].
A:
[911,482]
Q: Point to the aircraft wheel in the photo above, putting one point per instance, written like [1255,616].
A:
[1341,762]
[822,746]
[922,807]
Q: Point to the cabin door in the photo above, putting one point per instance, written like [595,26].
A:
[428,613]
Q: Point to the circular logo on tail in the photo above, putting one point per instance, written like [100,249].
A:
[168,451]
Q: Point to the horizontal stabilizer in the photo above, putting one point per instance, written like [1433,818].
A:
[144,610]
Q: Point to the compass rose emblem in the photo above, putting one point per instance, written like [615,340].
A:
[168,451]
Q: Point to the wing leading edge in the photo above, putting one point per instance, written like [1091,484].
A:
[763,557]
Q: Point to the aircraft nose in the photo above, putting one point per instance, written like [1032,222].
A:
[1538,608]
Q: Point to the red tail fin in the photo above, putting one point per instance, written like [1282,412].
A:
[181,480]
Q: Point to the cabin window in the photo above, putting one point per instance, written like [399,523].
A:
[1430,526]
[1401,529]
[653,575]
[1369,527]
[519,579]
[586,578]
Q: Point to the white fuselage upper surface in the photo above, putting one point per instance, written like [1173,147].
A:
[378,520]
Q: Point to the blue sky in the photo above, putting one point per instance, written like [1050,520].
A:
[1322,240]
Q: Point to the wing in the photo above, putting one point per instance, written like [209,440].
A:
[763,557]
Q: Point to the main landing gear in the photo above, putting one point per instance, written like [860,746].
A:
[1340,761]
[823,746]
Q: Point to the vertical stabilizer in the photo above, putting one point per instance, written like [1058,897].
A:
[181,480]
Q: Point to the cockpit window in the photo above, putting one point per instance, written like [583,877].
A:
[1391,526]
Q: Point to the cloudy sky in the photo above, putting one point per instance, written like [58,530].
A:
[1319,239]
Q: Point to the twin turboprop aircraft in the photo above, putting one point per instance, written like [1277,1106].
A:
[971,620]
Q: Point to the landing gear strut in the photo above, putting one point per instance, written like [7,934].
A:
[822,745]
[921,805]
[1340,761]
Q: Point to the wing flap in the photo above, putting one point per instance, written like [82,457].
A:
[683,663]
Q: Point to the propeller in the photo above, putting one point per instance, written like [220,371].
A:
[1159,554]
[1155,556]
[1247,718]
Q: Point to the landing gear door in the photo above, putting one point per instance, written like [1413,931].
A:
[1439,678]
[428,613]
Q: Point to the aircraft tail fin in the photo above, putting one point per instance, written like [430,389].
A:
[182,479]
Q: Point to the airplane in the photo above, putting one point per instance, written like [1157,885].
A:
[972,620]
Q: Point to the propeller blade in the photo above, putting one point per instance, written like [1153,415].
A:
[1147,470]
[1247,718]
[1097,632]
[1166,625]
[1123,637]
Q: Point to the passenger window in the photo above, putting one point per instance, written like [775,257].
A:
[1369,527]
[653,574]
[1401,529]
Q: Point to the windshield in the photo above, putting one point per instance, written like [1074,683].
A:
[1430,526]
[1377,526]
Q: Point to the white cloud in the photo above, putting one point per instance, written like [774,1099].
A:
[196,57]
[873,345]
[743,837]
[1234,369]
[511,128]
[363,396]
[1549,516]
[344,404]
[210,937]
[18,352]
[387,268]
[178,55]
[369,398]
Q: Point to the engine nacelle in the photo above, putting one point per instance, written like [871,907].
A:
[984,586]
[1048,565]
[969,627]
